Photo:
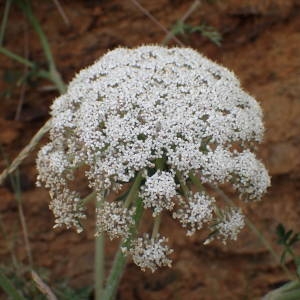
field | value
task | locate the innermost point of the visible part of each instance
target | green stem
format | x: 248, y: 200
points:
x: 99, y: 266
x: 259, y: 234
x: 134, y: 189
x: 55, y: 76
x: 4, y: 20
x: 160, y: 163
x: 39, y: 73
x: 183, y: 186
x: 196, y: 181
x: 115, y: 275
x: 191, y: 9
x: 16, y: 57
x: 156, y: 226
x: 99, y: 255
x: 289, y: 291
x: 119, y: 264
x: 120, y: 259
x: 89, y: 198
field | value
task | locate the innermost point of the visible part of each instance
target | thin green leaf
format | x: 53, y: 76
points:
x: 288, y: 234
x: 9, y: 288
x: 295, y: 238
x: 280, y: 230
x: 282, y: 258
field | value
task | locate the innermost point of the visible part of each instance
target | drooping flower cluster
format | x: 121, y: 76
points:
x: 230, y: 224
x: 136, y: 107
x: 114, y: 219
x: 150, y: 253
x: 158, y: 192
x: 197, y: 210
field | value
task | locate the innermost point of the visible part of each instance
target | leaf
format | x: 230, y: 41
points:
x: 280, y: 230
x: 298, y: 270
x: 9, y: 288
x: 289, y: 291
x: 282, y: 258
x: 11, y: 76
x: 294, y: 239
x: 288, y: 235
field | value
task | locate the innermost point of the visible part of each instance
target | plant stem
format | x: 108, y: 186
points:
x: 155, y: 21
x: 15, y: 182
x: 55, y: 76
x: 4, y: 20
x: 119, y: 262
x: 114, y: 276
x: 89, y: 198
x: 42, y: 286
x: 289, y: 291
x: 120, y: 259
x: 191, y: 9
x: 156, y: 226
x: 25, y: 152
x: 259, y: 234
x: 99, y: 256
x: 134, y: 189
x: 99, y: 265
x: 16, y: 57
x: 196, y: 181
x: 183, y: 186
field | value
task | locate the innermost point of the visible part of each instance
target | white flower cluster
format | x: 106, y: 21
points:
x: 150, y: 253
x: 134, y: 107
x: 197, y: 210
x: 159, y: 191
x: 114, y: 219
x: 230, y: 224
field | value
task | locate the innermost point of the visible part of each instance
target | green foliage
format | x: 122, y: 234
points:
x: 19, y: 280
x: 9, y: 287
x: 13, y: 282
x: 15, y: 78
x: 289, y: 291
x: 65, y: 292
x: 288, y: 239
x: 181, y: 28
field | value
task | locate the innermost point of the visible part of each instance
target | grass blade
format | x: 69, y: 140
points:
x: 9, y: 288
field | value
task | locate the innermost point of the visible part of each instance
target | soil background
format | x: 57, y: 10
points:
x: 261, y: 41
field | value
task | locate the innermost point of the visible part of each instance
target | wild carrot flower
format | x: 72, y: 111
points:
x: 169, y: 114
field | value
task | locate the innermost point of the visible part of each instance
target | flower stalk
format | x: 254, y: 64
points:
x: 99, y: 254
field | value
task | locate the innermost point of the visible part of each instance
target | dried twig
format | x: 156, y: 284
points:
x: 152, y: 18
x: 25, y: 152
x: 62, y: 12
x: 191, y: 9
x: 42, y: 286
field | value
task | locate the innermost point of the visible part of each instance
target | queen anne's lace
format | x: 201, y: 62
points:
x: 135, y: 107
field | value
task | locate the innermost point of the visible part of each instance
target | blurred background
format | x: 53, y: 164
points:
x: 257, y: 39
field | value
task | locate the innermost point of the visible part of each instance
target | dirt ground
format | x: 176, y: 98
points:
x: 261, y: 41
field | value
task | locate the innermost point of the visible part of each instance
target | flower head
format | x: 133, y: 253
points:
x: 230, y: 224
x: 150, y: 253
x: 197, y: 210
x: 159, y: 191
x: 114, y: 219
x: 135, y: 107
